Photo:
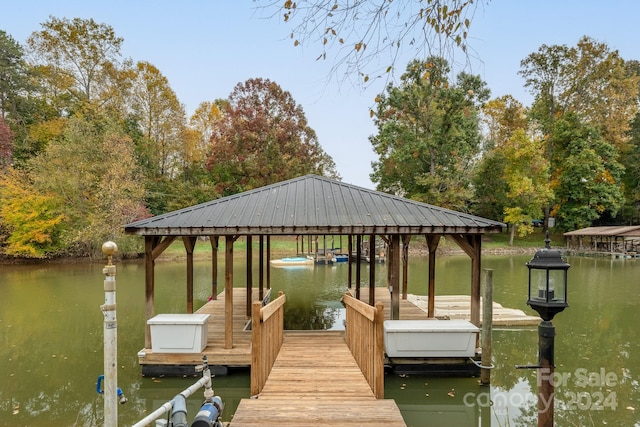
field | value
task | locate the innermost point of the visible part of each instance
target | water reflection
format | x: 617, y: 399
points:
x: 51, y: 343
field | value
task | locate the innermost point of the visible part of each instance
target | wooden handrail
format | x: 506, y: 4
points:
x: 267, y: 324
x: 270, y: 309
x: 364, y: 337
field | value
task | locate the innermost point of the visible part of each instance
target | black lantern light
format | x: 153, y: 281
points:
x: 547, y: 282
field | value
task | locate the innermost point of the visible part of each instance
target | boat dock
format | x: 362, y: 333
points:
x: 221, y: 359
x: 302, y: 390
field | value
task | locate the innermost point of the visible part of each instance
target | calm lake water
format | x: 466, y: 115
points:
x: 51, y: 343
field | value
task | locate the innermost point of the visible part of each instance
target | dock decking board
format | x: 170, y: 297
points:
x: 239, y: 355
x: 315, y: 381
x: 453, y: 306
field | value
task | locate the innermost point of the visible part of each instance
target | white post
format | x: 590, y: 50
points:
x: 110, y: 339
x: 487, y: 325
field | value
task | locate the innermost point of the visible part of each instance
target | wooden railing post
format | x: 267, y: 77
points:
x: 378, y: 354
x: 256, y: 348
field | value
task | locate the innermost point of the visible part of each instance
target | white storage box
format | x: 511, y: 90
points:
x: 178, y: 333
x: 430, y: 338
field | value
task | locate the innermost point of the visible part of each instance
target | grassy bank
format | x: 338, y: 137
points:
x: 286, y: 245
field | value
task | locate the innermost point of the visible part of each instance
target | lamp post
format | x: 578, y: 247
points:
x: 547, y: 296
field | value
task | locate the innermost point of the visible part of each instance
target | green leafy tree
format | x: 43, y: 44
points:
x: 587, y: 182
x: 20, y: 107
x: 590, y: 81
x: 490, y: 186
x: 630, y: 159
x: 263, y: 137
x: 428, y: 134
x: 13, y: 75
x: 631, y: 163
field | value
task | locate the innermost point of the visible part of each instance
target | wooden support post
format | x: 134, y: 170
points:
x: 249, y: 275
x: 228, y: 292
x: 324, y: 249
x: 257, y: 361
x: 472, y: 245
x: 432, y: 243
x: 379, y: 351
x: 372, y: 270
x: 350, y: 261
x: 214, y: 267
x: 268, y: 262
x: 394, y: 251
x: 261, y: 269
x: 406, y: 238
x: 189, y: 245
x: 476, y: 267
x: 358, y: 262
x: 487, y: 322
x: 149, y: 284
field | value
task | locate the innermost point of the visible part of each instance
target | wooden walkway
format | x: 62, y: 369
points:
x: 315, y: 381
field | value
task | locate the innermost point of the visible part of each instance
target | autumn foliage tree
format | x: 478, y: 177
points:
x: 76, y: 59
x: 502, y: 118
x: 263, y: 137
x: 32, y: 222
x: 100, y: 193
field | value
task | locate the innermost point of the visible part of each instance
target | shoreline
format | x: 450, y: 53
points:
x: 421, y: 252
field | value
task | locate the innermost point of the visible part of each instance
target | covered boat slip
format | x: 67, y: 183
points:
x: 312, y: 206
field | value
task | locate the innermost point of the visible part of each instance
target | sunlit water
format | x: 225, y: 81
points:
x: 51, y: 343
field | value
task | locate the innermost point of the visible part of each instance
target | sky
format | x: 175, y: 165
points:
x: 205, y: 47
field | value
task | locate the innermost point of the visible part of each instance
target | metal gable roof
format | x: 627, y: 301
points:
x: 312, y: 205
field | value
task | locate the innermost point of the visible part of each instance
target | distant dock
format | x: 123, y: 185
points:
x: 458, y: 307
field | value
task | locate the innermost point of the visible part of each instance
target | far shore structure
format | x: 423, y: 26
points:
x: 310, y: 207
x: 623, y: 240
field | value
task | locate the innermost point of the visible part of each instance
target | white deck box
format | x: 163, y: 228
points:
x: 430, y: 338
x: 178, y: 333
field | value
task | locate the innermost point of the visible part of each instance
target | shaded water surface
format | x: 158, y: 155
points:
x: 51, y: 343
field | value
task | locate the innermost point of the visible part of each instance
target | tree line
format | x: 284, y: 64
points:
x: 90, y: 141
x: 571, y: 159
